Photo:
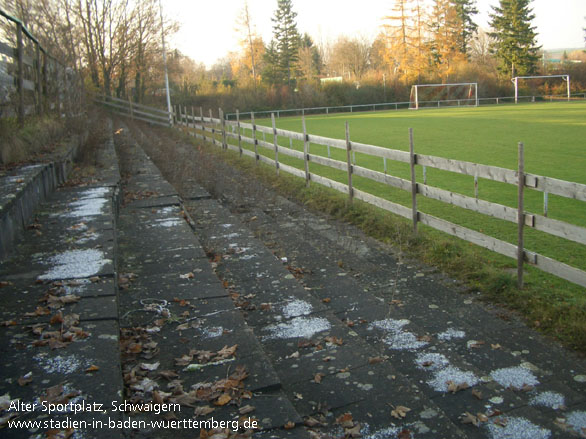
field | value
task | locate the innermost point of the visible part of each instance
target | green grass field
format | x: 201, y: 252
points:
x: 554, y: 135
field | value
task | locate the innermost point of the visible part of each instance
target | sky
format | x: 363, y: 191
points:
x: 208, y: 32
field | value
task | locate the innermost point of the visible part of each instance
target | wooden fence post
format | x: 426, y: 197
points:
x: 239, y: 135
x: 57, y: 91
x: 545, y: 202
x: 203, y: 127
x: 224, y: 137
x: 39, y: 81
x: 254, y: 138
x: 520, y: 217
x: 305, y: 152
x: 45, y: 83
x: 413, y: 180
x: 349, y: 163
x: 130, y: 106
x: 20, y: 64
x: 275, y: 140
x: 213, y: 126
x: 193, y: 119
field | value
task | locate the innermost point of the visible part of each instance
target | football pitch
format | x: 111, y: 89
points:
x: 554, y: 135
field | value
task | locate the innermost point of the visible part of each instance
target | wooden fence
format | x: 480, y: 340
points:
x: 219, y: 130
x: 31, y: 80
x: 135, y: 111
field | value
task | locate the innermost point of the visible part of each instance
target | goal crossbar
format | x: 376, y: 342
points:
x: 416, y: 87
x: 515, y: 81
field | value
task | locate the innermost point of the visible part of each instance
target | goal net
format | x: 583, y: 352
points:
x: 443, y: 95
x: 548, y: 86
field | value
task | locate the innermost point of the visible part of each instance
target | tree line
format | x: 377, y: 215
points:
x: 418, y: 43
x: 116, y: 45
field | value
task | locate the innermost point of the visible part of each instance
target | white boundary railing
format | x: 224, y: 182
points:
x: 401, y: 106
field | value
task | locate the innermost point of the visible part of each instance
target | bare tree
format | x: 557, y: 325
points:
x: 351, y: 56
x: 245, y: 27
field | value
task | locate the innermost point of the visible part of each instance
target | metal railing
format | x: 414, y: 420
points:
x: 401, y: 106
x: 31, y: 80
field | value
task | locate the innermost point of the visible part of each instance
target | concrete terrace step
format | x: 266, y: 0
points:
x: 60, y: 333
x: 172, y: 301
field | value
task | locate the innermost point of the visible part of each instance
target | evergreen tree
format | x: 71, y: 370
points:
x: 514, y: 46
x: 286, y: 38
x: 271, y: 73
x: 466, y: 9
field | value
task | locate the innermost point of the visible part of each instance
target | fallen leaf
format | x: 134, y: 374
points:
x: 92, y: 368
x: 469, y: 418
x: 496, y: 346
x: 318, y: 377
x: 289, y: 425
x: 57, y: 318
x: 375, y: 360
x: 168, y: 374
x: 456, y: 387
x: 482, y: 417
x: 25, y: 379
x: 312, y: 422
x: 345, y: 420
x: 404, y: 434
x: 334, y: 340
x: 150, y: 366
x: 477, y: 394
x: 400, y: 412
x: 246, y: 409
x: 353, y: 431
x: 223, y: 400
x: 326, y: 300
x: 8, y: 323
x: 189, y: 275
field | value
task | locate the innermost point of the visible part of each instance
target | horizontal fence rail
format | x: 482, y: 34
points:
x: 31, y: 80
x: 250, y: 139
x: 135, y: 111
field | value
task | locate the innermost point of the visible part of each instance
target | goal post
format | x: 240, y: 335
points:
x: 456, y: 94
x: 515, y: 81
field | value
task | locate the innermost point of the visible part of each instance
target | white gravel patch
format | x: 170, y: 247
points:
x: 441, y: 377
x: 297, y: 308
x: 62, y: 364
x: 431, y: 361
x: 384, y: 433
x: 169, y: 222
x: 514, y: 377
x: 517, y: 428
x: 74, y: 264
x: 577, y: 421
x: 397, y: 338
x: 553, y: 400
x: 212, y: 332
x: 451, y: 334
x: 87, y: 207
x: 304, y: 327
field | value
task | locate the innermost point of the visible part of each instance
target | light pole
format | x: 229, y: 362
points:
x: 165, y: 64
